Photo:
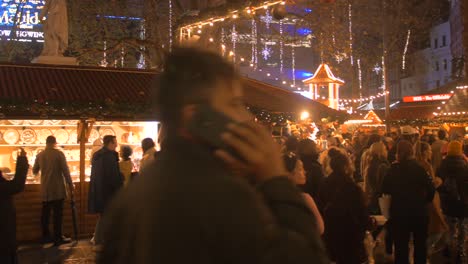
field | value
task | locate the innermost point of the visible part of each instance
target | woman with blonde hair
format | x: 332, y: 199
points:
x: 437, y: 223
x: 377, y: 168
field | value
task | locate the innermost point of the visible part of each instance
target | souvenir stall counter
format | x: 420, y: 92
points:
x: 31, y: 136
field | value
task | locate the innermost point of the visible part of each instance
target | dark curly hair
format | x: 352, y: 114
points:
x: 126, y: 152
x: 290, y: 161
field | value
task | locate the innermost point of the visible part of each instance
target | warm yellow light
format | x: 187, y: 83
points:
x: 211, y: 39
x: 211, y: 24
x: 199, y: 31
x: 284, y: 82
x: 231, y: 53
x: 249, y: 11
x: 305, y: 115
x: 283, y: 3
x: 223, y: 46
x: 242, y: 59
x: 251, y: 65
x: 234, y: 16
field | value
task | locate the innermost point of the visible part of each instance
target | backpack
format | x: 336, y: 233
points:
x: 451, y: 190
x: 455, y: 188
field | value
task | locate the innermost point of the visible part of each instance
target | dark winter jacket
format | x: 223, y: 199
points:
x: 454, y: 169
x: 376, y: 172
x: 7, y: 208
x: 314, y: 175
x: 344, y: 211
x: 106, y: 179
x: 187, y: 208
x: 411, y: 190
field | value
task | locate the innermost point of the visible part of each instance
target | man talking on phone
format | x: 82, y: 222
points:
x: 188, y: 206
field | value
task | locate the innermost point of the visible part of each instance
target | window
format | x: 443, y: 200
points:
x: 437, y: 65
x: 444, y: 41
x: 445, y: 64
x: 436, y: 43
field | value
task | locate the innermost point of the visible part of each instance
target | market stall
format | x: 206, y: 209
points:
x: 78, y: 106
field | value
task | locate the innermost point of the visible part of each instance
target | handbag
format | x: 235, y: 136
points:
x: 384, y: 203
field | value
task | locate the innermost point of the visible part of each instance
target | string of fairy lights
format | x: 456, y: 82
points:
x: 453, y: 113
x: 197, y: 27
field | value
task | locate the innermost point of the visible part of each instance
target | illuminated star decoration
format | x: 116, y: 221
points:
x: 266, y: 52
x: 340, y: 56
x: 267, y: 18
x: 377, y: 69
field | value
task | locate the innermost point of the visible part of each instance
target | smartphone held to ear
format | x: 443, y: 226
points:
x: 207, y: 125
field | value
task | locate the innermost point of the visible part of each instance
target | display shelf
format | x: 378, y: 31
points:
x: 42, y: 145
x: 127, y: 125
x: 38, y: 125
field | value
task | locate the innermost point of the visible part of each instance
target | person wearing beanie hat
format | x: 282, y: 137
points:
x: 454, y: 193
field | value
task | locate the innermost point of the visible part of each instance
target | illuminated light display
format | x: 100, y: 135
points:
x: 425, y: 98
x: 24, y: 15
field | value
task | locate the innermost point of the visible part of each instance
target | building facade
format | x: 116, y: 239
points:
x: 431, y: 67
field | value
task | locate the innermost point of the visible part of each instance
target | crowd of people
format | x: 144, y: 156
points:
x: 425, y: 177
x: 256, y: 201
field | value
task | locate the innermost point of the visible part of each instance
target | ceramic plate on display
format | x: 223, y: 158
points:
x: 93, y: 135
x: 11, y: 136
x: 42, y: 135
x: 106, y: 123
x: 55, y: 122
x: 62, y: 136
x: 52, y: 122
x: 71, y: 122
x: 33, y: 122
x: 28, y: 136
x: 16, y: 122
x: 73, y: 137
x: 107, y: 131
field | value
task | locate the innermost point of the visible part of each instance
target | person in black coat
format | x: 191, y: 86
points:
x: 106, y: 180
x: 196, y: 203
x: 411, y: 191
x: 308, y: 153
x: 453, y: 191
x: 343, y: 206
x: 8, y: 211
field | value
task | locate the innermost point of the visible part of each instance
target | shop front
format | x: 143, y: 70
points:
x: 79, y: 106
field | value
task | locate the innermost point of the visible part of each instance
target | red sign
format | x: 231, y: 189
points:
x: 425, y: 98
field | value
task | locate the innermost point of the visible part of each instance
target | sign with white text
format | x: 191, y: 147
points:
x: 426, y: 98
x: 25, y: 15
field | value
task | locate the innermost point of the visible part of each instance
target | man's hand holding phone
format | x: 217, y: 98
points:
x: 261, y: 155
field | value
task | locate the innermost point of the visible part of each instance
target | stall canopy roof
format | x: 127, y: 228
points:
x: 37, y: 91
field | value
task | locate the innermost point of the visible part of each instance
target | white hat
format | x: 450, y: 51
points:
x: 408, y: 130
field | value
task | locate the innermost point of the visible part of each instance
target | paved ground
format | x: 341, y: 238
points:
x: 82, y: 252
